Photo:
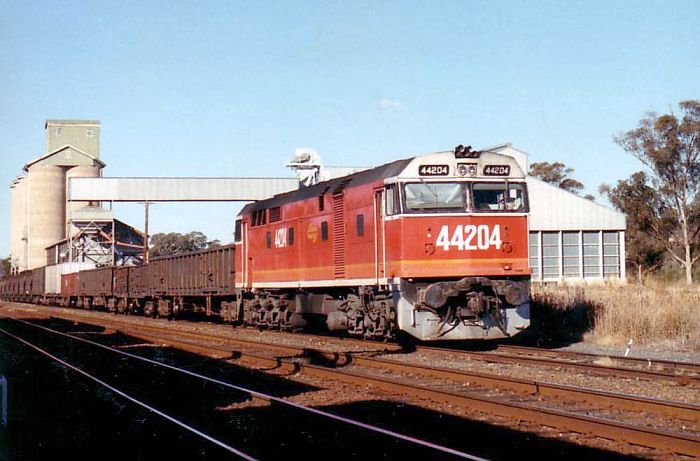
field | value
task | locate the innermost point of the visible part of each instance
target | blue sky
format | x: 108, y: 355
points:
x: 232, y: 88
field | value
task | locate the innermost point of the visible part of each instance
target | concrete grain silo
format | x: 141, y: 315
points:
x: 46, y: 210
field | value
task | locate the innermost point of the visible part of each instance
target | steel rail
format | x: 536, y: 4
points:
x: 269, y: 398
x: 563, y: 420
x: 672, y: 366
x: 601, y: 370
x: 679, y: 410
x: 599, y: 427
x: 131, y: 398
x: 592, y: 368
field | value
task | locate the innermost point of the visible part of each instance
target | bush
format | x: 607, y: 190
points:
x: 614, y: 314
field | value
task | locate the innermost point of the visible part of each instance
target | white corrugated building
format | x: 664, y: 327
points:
x: 572, y: 239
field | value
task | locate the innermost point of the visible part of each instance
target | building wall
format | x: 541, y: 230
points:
x: 81, y: 134
x: 575, y: 256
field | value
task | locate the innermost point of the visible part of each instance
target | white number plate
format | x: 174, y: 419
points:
x: 496, y: 170
x: 433, y: 170
x: 469, y: 237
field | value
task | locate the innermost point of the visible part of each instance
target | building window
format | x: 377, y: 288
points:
x: 591, y: 254
x: 611, y: 254
x: 571, y: 257
x: 360, y: 225
x: 324, y: 230
x: 550, y: 255
x: 535, y: 254
x: 88, y: 132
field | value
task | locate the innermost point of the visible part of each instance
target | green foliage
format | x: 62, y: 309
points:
x: 175, y: 243
x: 669, y: 146
x: 643, y: 207
x: 557, y: 174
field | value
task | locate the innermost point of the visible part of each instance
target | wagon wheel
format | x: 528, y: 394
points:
x: 149, y: 309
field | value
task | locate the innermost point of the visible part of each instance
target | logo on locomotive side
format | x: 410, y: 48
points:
x: 281, y: 238
x: 312, y: 233
x: 469, y: 237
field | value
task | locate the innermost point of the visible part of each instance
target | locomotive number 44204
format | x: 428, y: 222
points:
x: 433, y: 170
x: 469, y: 237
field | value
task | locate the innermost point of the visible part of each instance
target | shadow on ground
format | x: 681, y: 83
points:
x: 56, y: 413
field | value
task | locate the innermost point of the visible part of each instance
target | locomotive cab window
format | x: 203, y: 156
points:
x: 434, y: 197
x: 391, y: 200
x: 499, y: 197
x: 238, y: 231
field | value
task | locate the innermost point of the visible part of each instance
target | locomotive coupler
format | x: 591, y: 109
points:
x: 435, y: 295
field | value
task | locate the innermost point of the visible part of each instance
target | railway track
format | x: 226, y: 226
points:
x: 685, y: 369
x: 327, y: 426
x: 593, y: 364
x: 356, y: 369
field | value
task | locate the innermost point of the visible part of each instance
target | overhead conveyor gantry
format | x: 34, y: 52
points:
x: 147, y: 190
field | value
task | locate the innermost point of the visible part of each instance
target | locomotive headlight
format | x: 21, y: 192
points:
x: 466, y: 169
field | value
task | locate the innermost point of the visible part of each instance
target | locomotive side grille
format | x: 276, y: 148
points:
x: 338, y: 236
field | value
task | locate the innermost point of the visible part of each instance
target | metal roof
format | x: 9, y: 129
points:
x: 552, y: 208
x: 58, y: 121
x: 61, y: 149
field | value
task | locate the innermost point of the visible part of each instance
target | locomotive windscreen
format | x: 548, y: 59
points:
x: 450, y: 197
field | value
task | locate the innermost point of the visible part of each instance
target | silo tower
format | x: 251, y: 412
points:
x: 72, y: 150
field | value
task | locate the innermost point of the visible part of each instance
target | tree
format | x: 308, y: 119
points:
x: 669, y: 147
x: 642, y: 206
x: 557, y: 174
x: 174, y: 243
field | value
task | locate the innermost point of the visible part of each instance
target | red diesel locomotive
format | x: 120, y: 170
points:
x: 434, y: 246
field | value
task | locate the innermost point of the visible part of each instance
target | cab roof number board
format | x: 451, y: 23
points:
x: 434, y: 170
x: 496, y: 170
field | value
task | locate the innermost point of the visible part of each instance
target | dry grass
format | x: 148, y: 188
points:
x: 613, y: 314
